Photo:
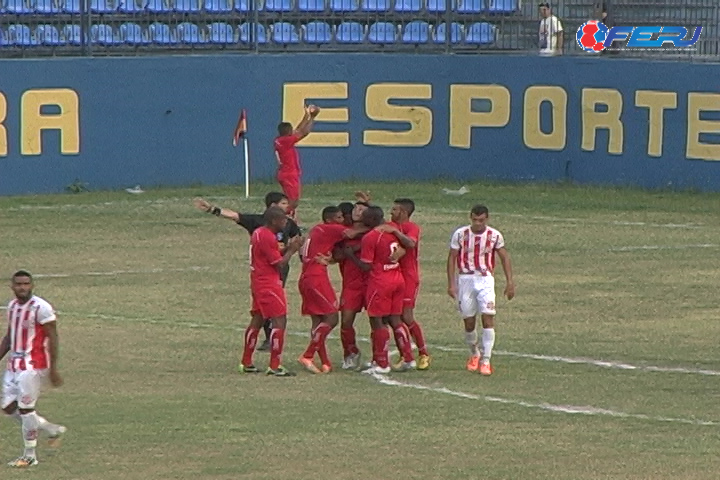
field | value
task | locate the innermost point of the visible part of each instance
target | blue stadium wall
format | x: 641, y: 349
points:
x: 118, y: 122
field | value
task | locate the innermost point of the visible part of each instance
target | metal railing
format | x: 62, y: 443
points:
x: 30, y: 28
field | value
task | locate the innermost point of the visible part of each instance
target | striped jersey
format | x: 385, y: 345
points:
x: 28, y: 341
x: 476, y: 251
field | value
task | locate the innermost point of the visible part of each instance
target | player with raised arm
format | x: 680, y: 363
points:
x: 289, y: 172
x: 471, y: 282
x: 253, y: 221
x: 385, y: 291
x: 32, y: 342
x: 319, y: 299
x: 268, y: 295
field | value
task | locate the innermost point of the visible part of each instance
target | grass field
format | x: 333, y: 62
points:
x: 153, y: 297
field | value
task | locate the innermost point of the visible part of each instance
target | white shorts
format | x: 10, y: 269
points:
x: 476, y: 294
x: 22, y: 387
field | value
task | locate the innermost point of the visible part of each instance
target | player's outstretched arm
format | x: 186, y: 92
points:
x: 452, y: 273
x: 405, y: 241
x: 50, y: 329
x: 5, y: 345
x: 305, y: 126
x: 507, y: 268
x: 205, y: 206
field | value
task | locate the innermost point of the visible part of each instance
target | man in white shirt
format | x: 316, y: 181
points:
x: 551, y: 31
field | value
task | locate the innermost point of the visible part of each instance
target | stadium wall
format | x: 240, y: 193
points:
x: 118, y: 122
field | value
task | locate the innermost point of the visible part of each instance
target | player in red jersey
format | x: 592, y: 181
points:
x: 385, y: 291
x: 409, y: 237
x: 268, y: 295
x: 289, y: 172
x: 32, y: 342
x: 319, y: 300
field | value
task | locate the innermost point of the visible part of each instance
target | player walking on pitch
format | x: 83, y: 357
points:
x: 32, y: 342
x: 470, y: 270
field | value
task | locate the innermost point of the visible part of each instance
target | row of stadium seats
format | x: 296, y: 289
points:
x: 281, y: 33
x: 49, y: 7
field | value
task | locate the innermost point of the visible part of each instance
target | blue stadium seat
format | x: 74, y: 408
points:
x: 4, y: 38
x: 244, y: 31
x: 188, y: 6
x: 438, y: 5
x: 469, y: 6
x: 350, y: 32
x: 161, y: 33
x: 72, y: 34
x: 311, y: 5
x: 503, y: 6
x: 456, y: 33
x: 247, y: 5
x: 130, y: 6
x: 344, y: 5
x: 133, y: 34
x: 375, y: 5
x: 317, y: 33
x: 107, y: 6
x: 382, y: 33
x: 71, y: 6
x: 221, y: 33
x: 103, y: 34
x: 19, y: 7
x: 48, y: 35
x: 21, y: 35
x: 219, y: 6
x: 480, y: 33
x: 159, y: 6
x: 48, y: 7
x: 408, y: 5
x: 416, y: 32
x: 278, y: 5
x: 190, y: 33
x: 285, y: 33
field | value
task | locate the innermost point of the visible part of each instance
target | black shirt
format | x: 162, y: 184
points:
x: 252, y: 222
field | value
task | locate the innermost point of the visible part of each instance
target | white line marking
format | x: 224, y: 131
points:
x: 570, y: 409
x: 663, y: 247
x: 119, y: 272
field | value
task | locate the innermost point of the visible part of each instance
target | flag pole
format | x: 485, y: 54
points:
x: 241, y: 131
x: 247, y: 166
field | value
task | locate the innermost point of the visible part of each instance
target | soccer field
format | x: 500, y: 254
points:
x: 606, y: 363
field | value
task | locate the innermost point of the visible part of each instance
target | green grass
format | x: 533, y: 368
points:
x: 149, y: 353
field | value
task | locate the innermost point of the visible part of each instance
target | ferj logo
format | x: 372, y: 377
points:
x: 594, y: 36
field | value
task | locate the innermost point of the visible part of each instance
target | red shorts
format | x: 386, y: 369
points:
x: 412, y: 287
x: 290, y: 183
x: 269, y: 302
x: 385, y: 299
x: 318, y: 296
x: 353, y: 299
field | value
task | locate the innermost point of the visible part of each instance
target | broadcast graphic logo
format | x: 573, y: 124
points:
x: 594, y: 36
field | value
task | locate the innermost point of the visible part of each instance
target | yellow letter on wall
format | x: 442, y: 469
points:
x: 378, y: 108
x: 533, y: 136
x: 593, y: 120
x: 463, y: 119
x: 656, y: 102
x: 295, y: 96
x: 3, y: 130
x: 697, y: 103
x: 32, y: 122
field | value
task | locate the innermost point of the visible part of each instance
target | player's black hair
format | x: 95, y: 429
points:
x: 373, y: 216
x: 285, y: 128
x: 274, y: 197
x: 407, y: 205
x: 346, y: 208
x: 329, y: 212
x: 21, y: 273
x: 272, y: 214
x: 479, y: 210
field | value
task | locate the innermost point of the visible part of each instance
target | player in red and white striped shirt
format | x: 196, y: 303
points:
x: 471, y: 281
x: 32, y: 342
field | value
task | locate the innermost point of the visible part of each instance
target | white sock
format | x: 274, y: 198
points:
x: 30, y: 433
x: 488, y: 341
x: 471, y: 339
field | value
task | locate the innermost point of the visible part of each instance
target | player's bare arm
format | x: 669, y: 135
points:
x: 397, y: 254
x: 4, y: 346
x: 451, y: 273
x: 507, y: 268
x: 293, y: 246
x: 205, y: 206
x: 361, y: 196
x: 350, y: 255
x: 306, y: 124
x: 324, y: 259
x: 405, y: 241
x: 50, y: 329
x: 355, y: 232
x: 338, y: 254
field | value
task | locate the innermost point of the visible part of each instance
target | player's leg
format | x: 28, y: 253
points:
x: 486, y: 305
x: 416, y: 330
x: 28, y: 392
x: 274, y: 306
x: 402, y: 340
x: 468, y: 307
x: 250, y: 340
x: 267, y: 328
x: 380, y: 337
x: 307, y: 358
x: 351, y: 352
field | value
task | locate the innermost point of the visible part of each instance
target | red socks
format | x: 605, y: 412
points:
x: 380, y: 340
x: 402, y: 339
x: 347, y: 337
x: 251, y: 335
x: 317, y: 343
x: 417, y: 335
x: 277, y: 341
